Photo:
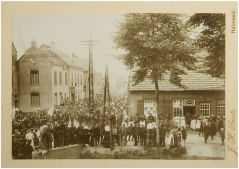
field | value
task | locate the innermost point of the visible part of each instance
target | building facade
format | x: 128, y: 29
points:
x: 201, y: 95
x: 47, y: 76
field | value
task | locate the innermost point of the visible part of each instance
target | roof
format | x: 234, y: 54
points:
x: 193, y: 80
x: 63, y: 56
x: 52, y: 54
x: 14, y: 51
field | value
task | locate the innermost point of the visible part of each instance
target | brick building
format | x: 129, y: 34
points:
x: 47, y: 75
x: 201, y: 95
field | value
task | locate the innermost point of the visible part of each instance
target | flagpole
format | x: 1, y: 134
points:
x: 108, y: 89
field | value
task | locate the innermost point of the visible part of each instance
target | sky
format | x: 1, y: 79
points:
x: 67, y: 31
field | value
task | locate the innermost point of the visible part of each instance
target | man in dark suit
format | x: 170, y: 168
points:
x: 206, y: 132
x: 162, y: 134
x: 137, y: 130
x: 80, y: 133
x: 143, y: 135
x: 28, y: 149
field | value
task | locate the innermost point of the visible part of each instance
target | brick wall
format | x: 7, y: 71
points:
x: 166, y: 100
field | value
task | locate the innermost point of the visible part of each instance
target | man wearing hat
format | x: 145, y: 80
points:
x: 28, y: 149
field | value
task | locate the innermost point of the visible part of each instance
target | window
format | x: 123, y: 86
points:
x: 204, y: 109
x: 35, y: 99
x: 81, y: 79
x: 221, y: 108
x: 34, y: 77
x: 55, y: 78
x: 60, y: 78
x: 177, y: 107
x: 78, y: 80
x: 149, y: 107
x: 65, y: 78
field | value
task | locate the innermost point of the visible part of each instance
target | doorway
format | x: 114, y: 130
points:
x: 190, y: 109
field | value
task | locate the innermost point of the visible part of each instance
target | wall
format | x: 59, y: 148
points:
x: 59, y: 89
x: 78, y: 86
x: 25, y: 88
x: 69, y: 152
x: 166, y: 100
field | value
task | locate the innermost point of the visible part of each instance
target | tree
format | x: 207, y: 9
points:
x: 212, y: 37
x: 156, y: 44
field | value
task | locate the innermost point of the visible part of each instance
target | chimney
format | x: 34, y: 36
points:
x: 73, y: 55
x: 34, y: 44
x: 52, y: 44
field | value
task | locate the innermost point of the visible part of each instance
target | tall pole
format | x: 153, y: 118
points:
x: 91, y: 74
x: 108, y: 89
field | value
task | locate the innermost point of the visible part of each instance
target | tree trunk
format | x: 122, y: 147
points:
x: 157, y: 110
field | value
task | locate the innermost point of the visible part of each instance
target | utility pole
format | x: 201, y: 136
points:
x: 91, y: 74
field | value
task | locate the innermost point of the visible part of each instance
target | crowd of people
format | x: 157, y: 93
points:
x: 75, y: 123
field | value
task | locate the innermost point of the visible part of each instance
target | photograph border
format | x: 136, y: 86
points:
x: 121, y: 7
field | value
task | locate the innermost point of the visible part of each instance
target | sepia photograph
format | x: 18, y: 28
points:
x: 120, y: 86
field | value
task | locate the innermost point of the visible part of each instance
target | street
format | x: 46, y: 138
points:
x: 196, y: 147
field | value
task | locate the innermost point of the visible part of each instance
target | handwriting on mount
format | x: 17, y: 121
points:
x: 231, y: 135
x: 232, y: 122
x: 233, y: 150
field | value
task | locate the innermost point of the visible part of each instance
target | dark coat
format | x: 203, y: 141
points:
x: 27, y: 151
x: 184, y: 134
x: 80, y: 130
x: 206, y: 130
x: 86, y: 136
x: 220, y: 124
x: 130, y: 130
x: 137, y: 130
x: 143, y: 133
x: 212, y: 129
x: 162, y: 132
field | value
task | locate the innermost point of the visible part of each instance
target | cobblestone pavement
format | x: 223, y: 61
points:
x: 196, y: 146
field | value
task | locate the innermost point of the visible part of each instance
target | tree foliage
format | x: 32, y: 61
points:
x: 212, y: 37
x: 155, y: 44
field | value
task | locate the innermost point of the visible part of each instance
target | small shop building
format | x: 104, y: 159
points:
x: 201, y: 94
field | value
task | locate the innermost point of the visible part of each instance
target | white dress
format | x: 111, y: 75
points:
x: 198, y: 124
x: 193, y: 124
x: 31, y: 137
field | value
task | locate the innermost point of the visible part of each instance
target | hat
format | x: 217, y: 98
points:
x: 29, y: 140
x: 222, y: 129
x: 48, y: 123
